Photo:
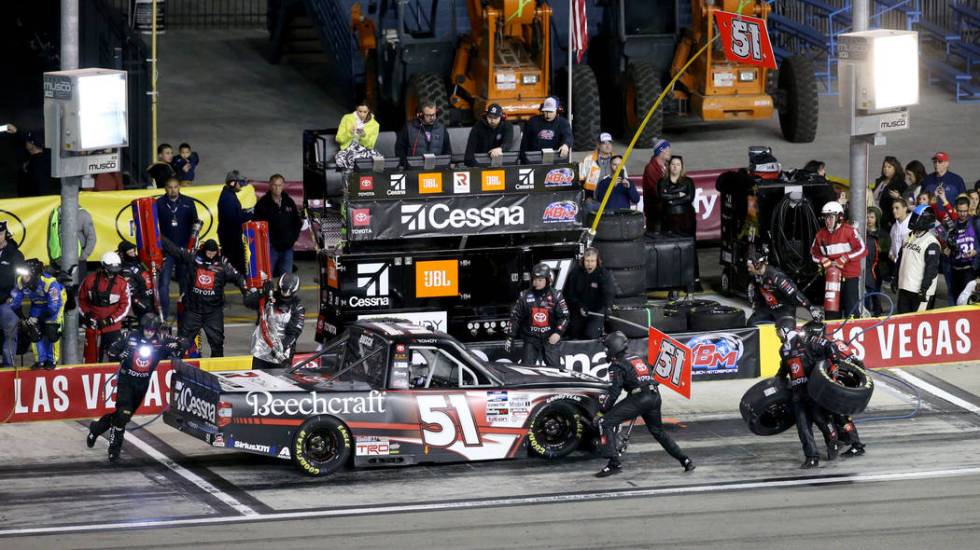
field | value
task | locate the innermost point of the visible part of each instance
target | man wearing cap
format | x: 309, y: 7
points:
x: 492, y: 135
x: 231, y: 216
x: 35, y: 177
x: 942, y: 177
x: 177, y: 214
x: 547, y: 131
x: 10, y: 258
x: 652, y: 175
x: 597, y: 166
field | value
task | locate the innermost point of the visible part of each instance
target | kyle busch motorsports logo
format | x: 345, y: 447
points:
x: 419, y: 217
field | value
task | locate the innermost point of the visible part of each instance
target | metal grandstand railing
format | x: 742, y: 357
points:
x: 209, y: 14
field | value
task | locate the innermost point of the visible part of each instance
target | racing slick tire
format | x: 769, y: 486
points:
x: 848, y: 394
x: 321, y: 446
x: 630, y: 281
x: 556, y: 430
x: 618, y: 225
x: 766, y: 407
x: 621, y: 254
x: 687, y: 307
x: 715, y: 318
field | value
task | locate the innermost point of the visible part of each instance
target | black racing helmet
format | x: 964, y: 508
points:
x: 32, y: 268
x: 616, y: 344
x: 757, y: 256
x: 814, y: 330
x: 922, y: 218
x: 784, y: 326
x: 288, y: 285
x: 542, y: 271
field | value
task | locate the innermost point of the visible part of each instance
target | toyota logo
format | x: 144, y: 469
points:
x: 205, y: 278
x: 360, y: 217
x: 16, y: 227
x: 124, y: 219
x: 540, y: 317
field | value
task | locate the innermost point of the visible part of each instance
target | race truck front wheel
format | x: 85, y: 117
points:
x: 322, y: 445
x: 556, y: 430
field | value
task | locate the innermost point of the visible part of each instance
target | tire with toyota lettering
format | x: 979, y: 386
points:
x: 556, y: 430
x: 766, y: 407
x: 321, y: 446
x: 848, y: 391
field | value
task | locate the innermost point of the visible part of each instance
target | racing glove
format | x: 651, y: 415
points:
x: 507, y: 345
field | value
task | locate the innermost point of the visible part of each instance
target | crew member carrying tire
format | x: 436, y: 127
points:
x: 632, y: 374
x: 103, y: 298
x: 837, y: 245
x: 918, y: 263
x: 539, y: 317
x: 43, y: 321
x: 281, y: 318
x: 204, y: 301
x: 590, y: 295
x: 140, y: 281
x: 796, y: 365
x: 774, y: 295
x: 140, y: 353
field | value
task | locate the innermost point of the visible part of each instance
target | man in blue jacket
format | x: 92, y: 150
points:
x: 942, y: 177
x: 177, y: 214
x: 231, y: 216
x: 624, y: 195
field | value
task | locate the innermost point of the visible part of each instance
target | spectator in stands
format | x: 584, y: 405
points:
x: 676, y: 192
x: 10, y: 259
x: 923, y: 199
x: 491, y: 135
x: 652, y: 174
x: 974, y: 197
x: 872, y: 262
x: 915, y: 173
x: 162, y: 169
x: 35, y: 176
x: 943, y: 178
x: 177, y: 215
x: 963, y: 244
x: 86, y: 240
x: 424, y: 135
x: 185, y: 163
x: 279, y: 210
x: 817, y: 167
x: 624, y: 195
x: 547, y: 131
x: 596, y: 166
x: 231, y: 216
x: 890, y: 186
x: 356, y: 136
x: 899, y: 231
x: 589, y: 290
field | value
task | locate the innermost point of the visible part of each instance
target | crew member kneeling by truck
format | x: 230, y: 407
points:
x: 140, y: 353
x: 539, y: 317
x: 281, y: 318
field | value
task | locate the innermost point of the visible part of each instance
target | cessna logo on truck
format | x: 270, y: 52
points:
x: 419, y: 217
x: 373, y: 278
x: 187, y: 402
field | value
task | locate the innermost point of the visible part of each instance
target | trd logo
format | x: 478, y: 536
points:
x: 373, y: 278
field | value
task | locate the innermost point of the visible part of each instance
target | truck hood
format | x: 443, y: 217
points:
x: 519, y: 375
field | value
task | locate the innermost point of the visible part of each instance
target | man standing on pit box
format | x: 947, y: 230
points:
x: 279, y: 211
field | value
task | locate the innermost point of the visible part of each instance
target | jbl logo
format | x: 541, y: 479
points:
x: 439, y: 278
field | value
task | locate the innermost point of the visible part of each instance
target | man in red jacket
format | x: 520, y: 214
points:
x: 104, y: 301
x: 652, y: 175
x: 838, y: 245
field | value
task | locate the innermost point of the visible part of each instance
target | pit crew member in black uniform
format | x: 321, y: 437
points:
x: 590, y: 289
x: 539, y: 317
x: 632, y: 374
x: 281, y: 317
x: 140, y: 281
x: 774, y: 295
x: 796, y: 365
x: 140, y: 353
x: 204, y: 300
x: 821, y: 348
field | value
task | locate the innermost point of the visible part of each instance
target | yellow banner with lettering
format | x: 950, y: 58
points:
x: 27, y: 218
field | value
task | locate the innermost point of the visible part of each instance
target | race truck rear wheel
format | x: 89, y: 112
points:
x: 766, y: 407
x: 556, y: 430
x: 321, y: 446
x: 849, y: 393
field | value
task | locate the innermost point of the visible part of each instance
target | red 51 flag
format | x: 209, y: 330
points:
x: 671, y: 362
x: 745, y: 39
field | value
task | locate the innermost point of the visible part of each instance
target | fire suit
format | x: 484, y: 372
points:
x: 280, y: 324
x: 634, y: 376
x: 843, y: 247
x: 204, y: 300
x: 774, y: 295
x: 796, y: 366
x: 139, y: 357
x: 104, y: 302
x: 47, y: 298
x: 537, y: 315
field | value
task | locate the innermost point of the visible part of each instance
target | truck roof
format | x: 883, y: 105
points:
x: 399, y: 330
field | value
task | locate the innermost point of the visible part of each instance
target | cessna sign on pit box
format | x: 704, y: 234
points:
x: 419, y: 217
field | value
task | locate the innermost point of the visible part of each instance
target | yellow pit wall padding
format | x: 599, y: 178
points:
x: 768, y: 351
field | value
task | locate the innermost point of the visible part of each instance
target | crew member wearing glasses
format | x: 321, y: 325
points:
x: 423, y: 135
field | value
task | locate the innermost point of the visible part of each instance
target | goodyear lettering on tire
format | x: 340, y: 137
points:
x: 301, y: 456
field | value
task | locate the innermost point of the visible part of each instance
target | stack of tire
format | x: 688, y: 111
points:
x: 705, y: 315
x: 766, y: 406
x: 619, y: 238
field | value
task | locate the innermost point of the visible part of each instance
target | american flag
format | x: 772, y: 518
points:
x: 580, y: 29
